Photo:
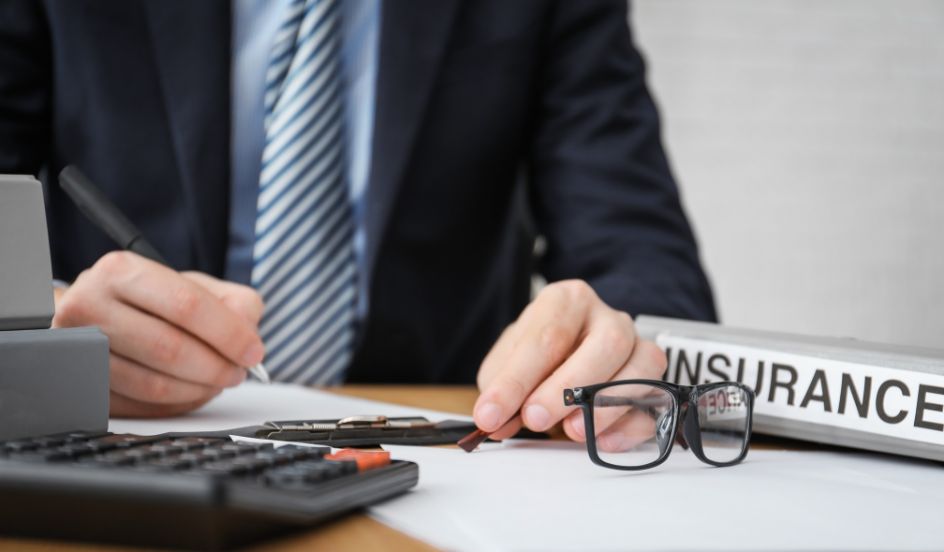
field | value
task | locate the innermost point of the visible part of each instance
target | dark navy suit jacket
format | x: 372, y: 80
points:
x: 496, y: 121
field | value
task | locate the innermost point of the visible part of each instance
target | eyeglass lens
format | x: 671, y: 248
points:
x: 633, y: 423
x: 723, y: 420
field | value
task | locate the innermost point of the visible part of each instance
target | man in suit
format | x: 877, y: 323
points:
x: 374, y: 173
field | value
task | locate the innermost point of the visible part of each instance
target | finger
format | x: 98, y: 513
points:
x: 553, y: 301
x: 72, y: 303
x: 574, y: 426
x: 124, y: 407
x: 154, y: 343
x: 140, y: 383
x: 647, y: 362
x: 547, y: 331
x: 157, y: 289
x: 508, y: 430
x: 137, y: 336
x: 57, y: 293
x: 241, y: 299
x: 626, y: 433
x: 605, y: 350
x: 499, y: 351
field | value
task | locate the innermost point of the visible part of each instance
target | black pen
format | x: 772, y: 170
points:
x: 105, y: 215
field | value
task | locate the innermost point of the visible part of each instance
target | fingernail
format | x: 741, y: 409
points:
x: 537, y: 417
x: 576, y: 424
x: 488, y: 416
x: 253, y: 355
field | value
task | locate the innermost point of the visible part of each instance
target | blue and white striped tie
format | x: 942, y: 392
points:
x: 303, y: 260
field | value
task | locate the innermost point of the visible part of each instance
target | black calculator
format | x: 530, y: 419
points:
x: 176, y: 490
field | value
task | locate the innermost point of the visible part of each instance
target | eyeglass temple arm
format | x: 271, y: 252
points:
x: 574, y: 396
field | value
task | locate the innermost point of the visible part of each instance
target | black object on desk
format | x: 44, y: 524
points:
x: 369, y: 431
x: 178, y: 490
x: 362, y: 431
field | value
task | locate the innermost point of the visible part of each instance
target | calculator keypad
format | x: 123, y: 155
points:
x: 290, y: 467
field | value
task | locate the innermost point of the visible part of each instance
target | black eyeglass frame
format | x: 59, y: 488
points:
x: 684, y: 399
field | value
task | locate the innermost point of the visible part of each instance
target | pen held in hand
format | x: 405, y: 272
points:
x: 471, y: 441
x: 93, y: 203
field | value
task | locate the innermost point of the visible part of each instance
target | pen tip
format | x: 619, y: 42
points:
x: 261, y: 373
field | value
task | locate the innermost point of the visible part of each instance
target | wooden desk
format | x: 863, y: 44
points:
x: 354, y: 532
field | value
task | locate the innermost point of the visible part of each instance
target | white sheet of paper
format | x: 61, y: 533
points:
x: 532, y: 495
x: 254, y: 403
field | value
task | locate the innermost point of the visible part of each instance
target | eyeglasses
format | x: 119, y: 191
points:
x: 632, y: 424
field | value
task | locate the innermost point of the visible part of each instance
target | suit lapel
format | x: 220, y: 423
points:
x: 192, y: 49
x: 413, y: 38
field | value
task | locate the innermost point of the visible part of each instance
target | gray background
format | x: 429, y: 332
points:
x: 808, y: 139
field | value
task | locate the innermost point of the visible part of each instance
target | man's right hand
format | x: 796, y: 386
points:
x: 176, y: 339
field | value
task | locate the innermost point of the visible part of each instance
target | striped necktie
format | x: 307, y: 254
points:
x: 303, y: 259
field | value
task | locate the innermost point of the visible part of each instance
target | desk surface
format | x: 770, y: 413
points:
x: 354, y: 532
x: 358, y: 532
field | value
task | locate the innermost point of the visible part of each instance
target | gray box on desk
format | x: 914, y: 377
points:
x: 25, y: 273
x: 53, y: 381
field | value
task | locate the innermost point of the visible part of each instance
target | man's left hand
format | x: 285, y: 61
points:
x: 566, y: 337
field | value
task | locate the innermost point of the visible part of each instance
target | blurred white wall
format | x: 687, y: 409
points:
x: 808, y: 139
